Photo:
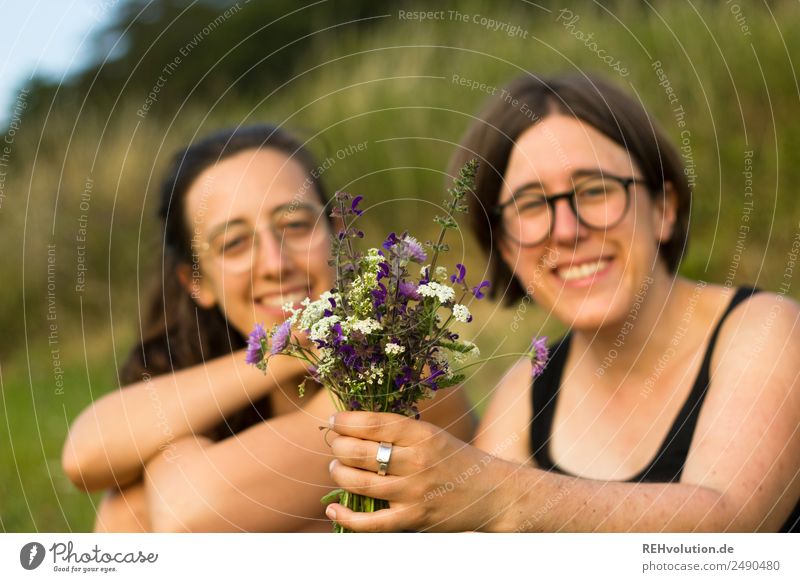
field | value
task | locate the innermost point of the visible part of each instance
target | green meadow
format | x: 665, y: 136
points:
x: 383, y: 108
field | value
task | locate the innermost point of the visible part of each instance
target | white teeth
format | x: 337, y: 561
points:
x: 281, y: 300
x: 581, y: 271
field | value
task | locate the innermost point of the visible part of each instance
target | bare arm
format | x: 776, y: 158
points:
x: 450, y: 410
x: 123, y: 511
x: 743, y: 469
x: 109, y: 443
x: 269, y: 477
x: 742, y: 472
x: 505, y: 426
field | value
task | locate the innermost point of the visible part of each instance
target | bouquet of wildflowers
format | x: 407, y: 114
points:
x: 383, y: 338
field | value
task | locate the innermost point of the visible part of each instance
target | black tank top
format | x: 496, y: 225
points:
x: 668, y: 463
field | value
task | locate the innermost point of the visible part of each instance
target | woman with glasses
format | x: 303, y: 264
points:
x: 670, y: 404
x: 198, y: 440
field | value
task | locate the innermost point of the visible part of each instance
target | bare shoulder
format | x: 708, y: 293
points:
x: 746, y: 443
x: 763, y: 333
x: 514, y: 388
x: 505, y: 425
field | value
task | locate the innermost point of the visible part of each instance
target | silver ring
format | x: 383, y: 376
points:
x: 383, y: 457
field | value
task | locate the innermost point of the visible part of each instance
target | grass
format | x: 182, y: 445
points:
x: 394, y: 89
x: 35, y: 495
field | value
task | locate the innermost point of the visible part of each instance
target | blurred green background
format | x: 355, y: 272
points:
x: 341, y: 73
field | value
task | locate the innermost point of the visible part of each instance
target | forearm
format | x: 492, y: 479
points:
x: 110, y: 441
x: 268, y: 478
x: 451, y: 411
x: 123, y: 511
x: 528, y: 499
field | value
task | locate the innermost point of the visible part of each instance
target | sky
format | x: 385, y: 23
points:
x: 48, y: 37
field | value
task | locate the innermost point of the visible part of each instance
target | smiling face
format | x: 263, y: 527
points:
x: 261, y: 238
x: 587, y: 277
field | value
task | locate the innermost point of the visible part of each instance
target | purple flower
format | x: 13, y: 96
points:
x: 255, y: 351
x: 405, y: 376
x: 431, y: 380
x: 412, y: 250
x: 379, y: 297
x: 408, y: 290
x: 339, y: 337
x: 477, y: 290
x: 383, y: 270
x: 462, y: 272
x: 354, y: 206
x: 280, y: 339
x: 539, y: 354
x: 329, y: 312
x: 348, y: 355
x: 405, y: 247
x: 425, y: 276
x: 390, y: 241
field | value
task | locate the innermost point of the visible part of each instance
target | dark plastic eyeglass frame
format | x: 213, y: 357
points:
x: 570, y: 196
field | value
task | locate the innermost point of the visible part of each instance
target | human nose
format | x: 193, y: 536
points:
x: 271, y: 257
x: 565, y: 226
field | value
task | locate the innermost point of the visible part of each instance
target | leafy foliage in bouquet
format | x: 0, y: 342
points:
x: 383, y: 335
x: 382, y: 339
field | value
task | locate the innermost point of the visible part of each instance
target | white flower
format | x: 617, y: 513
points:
x: 433, y: 289
x: 313, y: 310
x: 443, y: 358
x: 327, y: 361
x: 365, y: 326
x: 372, y: 375
x: 393, y: 349
x: 320, y: 330
x: 461, y: 313
x: 288, y: 307
x: 439, y: 274
x: 474, y: 352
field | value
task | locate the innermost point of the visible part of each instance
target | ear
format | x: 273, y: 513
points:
x: 194, y: 284
x: 665, y: 212
x: 508, y: 254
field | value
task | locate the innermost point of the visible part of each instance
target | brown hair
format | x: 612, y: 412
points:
x: 492, y: 137
x: 177, y: 333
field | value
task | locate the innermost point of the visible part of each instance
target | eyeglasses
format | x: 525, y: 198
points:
x: 295, y: 227
x: 598, y: 202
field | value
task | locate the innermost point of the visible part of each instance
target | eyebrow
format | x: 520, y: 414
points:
x: 288, y: 208
x: 292, y: 206
x: 220, y: 228
x: 579, y: 173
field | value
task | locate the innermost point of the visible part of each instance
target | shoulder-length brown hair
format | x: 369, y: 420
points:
x: 529, y: 99
x: 176, y: 332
